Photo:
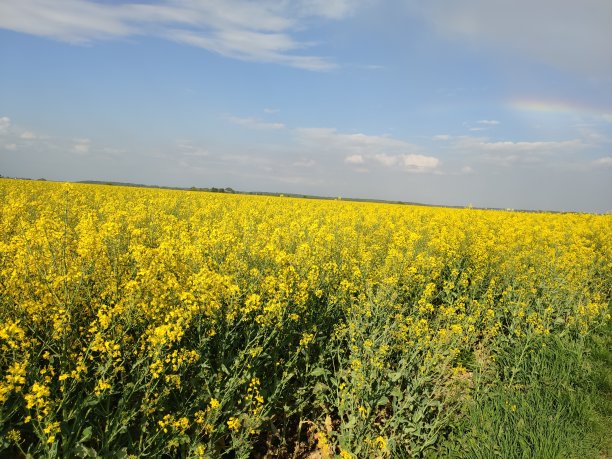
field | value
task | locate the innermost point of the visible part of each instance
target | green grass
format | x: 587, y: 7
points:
x: 552, y: 399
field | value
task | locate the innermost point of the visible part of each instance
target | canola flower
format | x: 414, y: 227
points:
x: 195, y: 324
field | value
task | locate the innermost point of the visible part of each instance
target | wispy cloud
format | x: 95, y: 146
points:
x: 81, y: 146
x: 15, y: 132
x: 488, y: 122
x: 5, y: 125
x: 569, y: 35
x: 354, y: 159
x: 304, y: 163
x: 509, y: 153
x: 185, y: 148
x: 27, y: 135
x: 252, y: 31
x: 606, y: 161
x: 254, y: 123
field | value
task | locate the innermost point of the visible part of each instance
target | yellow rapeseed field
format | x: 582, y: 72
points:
x: 147, y: 322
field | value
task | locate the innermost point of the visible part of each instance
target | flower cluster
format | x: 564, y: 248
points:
x: 188, y: 323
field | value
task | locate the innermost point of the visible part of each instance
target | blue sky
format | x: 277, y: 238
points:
x: 490, y: 103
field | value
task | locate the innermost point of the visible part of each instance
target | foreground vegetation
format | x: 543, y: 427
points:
x: 156, y: 322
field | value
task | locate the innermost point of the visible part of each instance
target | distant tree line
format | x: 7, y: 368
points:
x: 213, y: 189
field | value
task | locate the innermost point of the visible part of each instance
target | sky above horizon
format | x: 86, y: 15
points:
x: 503, y: 104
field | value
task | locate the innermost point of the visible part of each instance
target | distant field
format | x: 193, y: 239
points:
x: 152, y: 322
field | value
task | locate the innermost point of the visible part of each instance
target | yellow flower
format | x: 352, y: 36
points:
x: 381, y: 443
x: 233, y: 424
x: 214, y: 404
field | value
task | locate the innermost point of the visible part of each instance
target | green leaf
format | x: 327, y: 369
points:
x: 83, y: 451
x: 86, y: 434
x: 319, y: 372
x: 397, y: 393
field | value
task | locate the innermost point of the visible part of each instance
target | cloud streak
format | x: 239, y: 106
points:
x: 240, y: 29
x: 566, y: 34
x: 254, y: 123
x: 511, y: 153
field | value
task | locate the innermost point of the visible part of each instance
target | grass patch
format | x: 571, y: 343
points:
x: 552, y: 399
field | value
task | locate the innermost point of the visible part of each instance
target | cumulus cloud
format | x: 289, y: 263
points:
x: 254, y: 31
x: 415, y: 163
x: 419, y: 163
x: 360, y: 149
x: 488, y: 122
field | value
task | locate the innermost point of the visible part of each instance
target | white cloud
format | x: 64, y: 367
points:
x: 606, y: 161
x: 27, y: 135
x: 386, y: 160
x: 488, y: 122
x: 570, y: 35
x: 442, y: 137
x: 361, y: 149
x: 507, y: 153
x: 260, y: 31
x: 419, y: 163
x: 271, y: 111
x: 467, y: 170
x: 304, y: 163
x: 5, y: 125
x: 331, y: 139
x: 354, y: 159
x: 332, y: 9
x: 10, y: 147
x: 81, y: 146
x: 187, y: 149
x: 254, y: 123
x: 412, y: 163
x: 477, y: 129
x: 531, y: 147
